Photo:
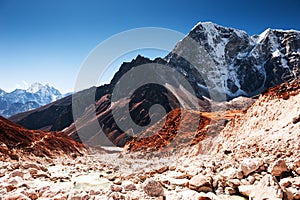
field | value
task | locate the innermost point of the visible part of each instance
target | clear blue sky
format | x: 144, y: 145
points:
x: 47, y: 40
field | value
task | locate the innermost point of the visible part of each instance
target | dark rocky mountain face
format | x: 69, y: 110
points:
x: 139, y: 105
x: 221, y: 64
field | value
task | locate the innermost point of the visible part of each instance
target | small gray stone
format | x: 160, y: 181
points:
x: 153, y: 188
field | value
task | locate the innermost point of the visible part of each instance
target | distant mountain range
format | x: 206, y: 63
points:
x: 243, y: 65
x: 21, y: 100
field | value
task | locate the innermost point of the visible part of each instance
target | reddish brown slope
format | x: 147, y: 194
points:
x: 170, y: 139
x: 16, y: 141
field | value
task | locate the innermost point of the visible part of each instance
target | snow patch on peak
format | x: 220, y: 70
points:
x: 35, y: 87
x: 38, y: 87
x: 211, y: 26
x: 262, y: 36
x: 276, y: 53
x: 205, y: 24
x: 284, y: 62
x: 240, y: 33
x: 268, y: 32
x: 286, y: 31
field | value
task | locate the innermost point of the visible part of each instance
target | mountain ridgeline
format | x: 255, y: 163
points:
x: 222, y: 62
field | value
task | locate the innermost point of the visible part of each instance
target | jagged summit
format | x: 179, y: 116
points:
x: 35, y: 87
x: 38, y: 87
x: 209, y: 25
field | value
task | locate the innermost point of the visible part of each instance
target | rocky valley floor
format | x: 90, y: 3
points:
x: 122, y: 176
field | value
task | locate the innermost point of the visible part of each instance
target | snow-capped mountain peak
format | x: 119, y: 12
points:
x: 219, y: 41
x: 208, y: 25
x: 242, y: 64
x: 35, y: 87
x: 215, y: 28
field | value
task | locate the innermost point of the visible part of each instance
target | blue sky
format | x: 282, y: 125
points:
x: 47, y: 40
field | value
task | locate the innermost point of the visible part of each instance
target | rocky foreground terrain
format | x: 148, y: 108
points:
x: 256, y: 156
